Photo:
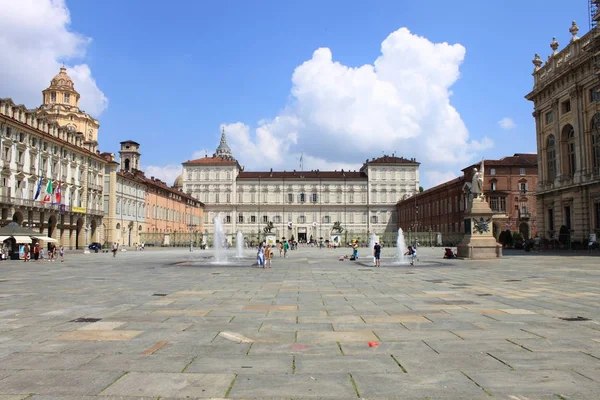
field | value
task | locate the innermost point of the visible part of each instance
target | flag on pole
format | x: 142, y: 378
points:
x: 39, y: 189
x: 48, y: 195
x: 57, y: 194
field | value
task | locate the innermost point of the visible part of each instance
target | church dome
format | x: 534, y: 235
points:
x: 62, y: 80
x: 178, y: 182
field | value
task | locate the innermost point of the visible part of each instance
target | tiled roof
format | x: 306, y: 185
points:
x: 349, y: 175
x: 390, y: 160
x: 211, y: 161
x: 518, y: 160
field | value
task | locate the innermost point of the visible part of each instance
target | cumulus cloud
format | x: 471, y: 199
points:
x: 507, y: 123
x: 35, y: 40
x: 166, y: 173
x: 435, y: 178
x: 341, y: 115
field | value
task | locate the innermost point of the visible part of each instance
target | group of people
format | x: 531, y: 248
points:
x: 264, y: 256
x: 38, y: 252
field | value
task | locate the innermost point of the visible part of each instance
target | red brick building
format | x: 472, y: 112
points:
x: 509, y: 187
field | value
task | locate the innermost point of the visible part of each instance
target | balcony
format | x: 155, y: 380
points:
x: 6, y: 163
x: 524, y: 215
x: 93, y: 186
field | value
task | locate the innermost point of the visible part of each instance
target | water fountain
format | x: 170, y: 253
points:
x: 239, y: 245
x: 219, y: 242
x: 400, y: 247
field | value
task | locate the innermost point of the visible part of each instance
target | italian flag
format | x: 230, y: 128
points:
x: 48, y: 195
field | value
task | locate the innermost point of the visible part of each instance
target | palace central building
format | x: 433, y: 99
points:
x: 303, y: 205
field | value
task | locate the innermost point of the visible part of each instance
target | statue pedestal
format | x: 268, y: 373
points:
x: 270, y: 239
x: 479, y: 241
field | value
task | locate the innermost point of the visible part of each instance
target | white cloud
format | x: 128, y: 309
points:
x: 341, y: 115
x: 507, y: 123
x: 35, y: 40
x: 435, y: 178
x: 166, y: 173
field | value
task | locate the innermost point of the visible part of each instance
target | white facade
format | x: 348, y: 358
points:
x: 302, y: 204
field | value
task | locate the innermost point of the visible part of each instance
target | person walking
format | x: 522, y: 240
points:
x: 51, y: 250
x: 61, y: 253
x: 280, y: 249
x: 377, y: 254
x: 260, y: 255
x: 26, y: 253
x: 286, y: 247
x: 115, y: 247
x: 36, y: 252
x: 413, y: 254
x: 268, y: 256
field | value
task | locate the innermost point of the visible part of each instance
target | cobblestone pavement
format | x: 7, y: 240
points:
x: 158, y: 324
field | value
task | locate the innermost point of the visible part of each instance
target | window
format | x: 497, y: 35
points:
x: 493, y: 186
x: 302, y: 197
x: 301, y: 219
x: 67, y: 97
x: 523, y: 187
x: 521, y: 171
x: 498, y: 204
x: 549, y: 117
x: 253, y: 218
x: 551, y: 157
x: 277, y: 219
x: 492, y: 171
x: 290, y: 198
x: 265, y: 219
x: 571, y: 151
x: 565, y: 106
x: 326, y: 219
x: 373, y: 219
x: 595, y: 94
x: 339, y: 197
x: 228, y: 219
x: 53, y: 97
x: 314, y: 197
x: 216, y: 197
x: 568, y: 217
x: 595, y: 132
x: 351, y: 198
x: 597, y: 216
x: 240, y: 219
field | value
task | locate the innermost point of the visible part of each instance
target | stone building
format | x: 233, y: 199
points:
x: 509, y: 187
x: 567, y: 118
x: 304, y: 205
x: 49, y: 144
x: 125, y: 191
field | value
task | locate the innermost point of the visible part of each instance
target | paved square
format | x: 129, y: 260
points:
x: 156, y: 324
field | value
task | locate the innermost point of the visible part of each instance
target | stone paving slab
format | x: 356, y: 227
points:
x: 171, y: 385
x: 44, y: 361
x: 293, y: 386
x: 138, y: 363
x: 242, y: 364
x: 57, y: 382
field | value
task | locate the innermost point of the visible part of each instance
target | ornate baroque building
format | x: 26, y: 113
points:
x: 302, y: 204
x: 567, y: 117
x: 57, y: 142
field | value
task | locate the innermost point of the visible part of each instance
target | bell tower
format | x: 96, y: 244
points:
x: 130, y: 155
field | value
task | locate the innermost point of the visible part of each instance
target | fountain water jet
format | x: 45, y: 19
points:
x: 239, y: 245
x: 219, y: 241
x: 372, y: 240
x: 400, y: 247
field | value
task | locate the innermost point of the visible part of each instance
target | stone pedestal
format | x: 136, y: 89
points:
x: 479, y: 241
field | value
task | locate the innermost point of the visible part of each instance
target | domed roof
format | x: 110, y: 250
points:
x: 178, y: 182
x: 62, y: 79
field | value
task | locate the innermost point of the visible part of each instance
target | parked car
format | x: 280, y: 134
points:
x: 95, y: 246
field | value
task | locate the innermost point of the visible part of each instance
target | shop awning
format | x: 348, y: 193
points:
x: 3, y: 238
x: 45, y: 239
x: 22, y: 239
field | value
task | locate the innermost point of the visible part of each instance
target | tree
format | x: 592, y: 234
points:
x: 420, y: 189
x: 506, y: 238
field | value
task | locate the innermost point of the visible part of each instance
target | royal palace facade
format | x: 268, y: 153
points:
x: 55, y: 143
x: 303, y: 205
x: 566, y: 96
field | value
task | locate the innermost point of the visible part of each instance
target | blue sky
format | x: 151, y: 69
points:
x: 175, y: 72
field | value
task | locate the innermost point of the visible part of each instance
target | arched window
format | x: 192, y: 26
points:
x: 551, y: 157
x: 596, y: 143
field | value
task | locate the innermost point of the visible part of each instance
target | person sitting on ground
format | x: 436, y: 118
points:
x: 448, y: 253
